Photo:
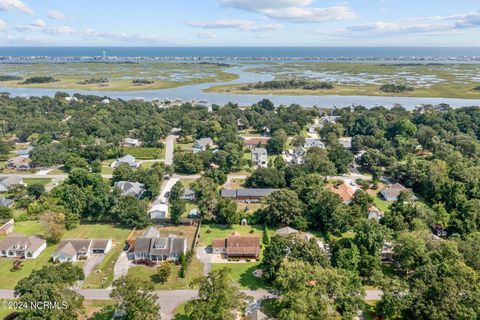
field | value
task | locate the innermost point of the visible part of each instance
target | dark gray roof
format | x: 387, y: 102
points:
x: 5, y: 202
x: 246, y: 193
x: 160, y: 245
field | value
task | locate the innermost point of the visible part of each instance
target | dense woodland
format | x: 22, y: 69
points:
x: 434, y: 150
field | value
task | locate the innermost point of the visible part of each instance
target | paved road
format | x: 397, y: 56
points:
x: 170, y: 145
x: 53, y: 176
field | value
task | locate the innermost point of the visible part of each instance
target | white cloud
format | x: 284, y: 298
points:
x: 57, y: 15
x: 7, y: 5
x: 205, y: 34
x: 297, y: 11
x: 3, y: 25
x: 243, y: 25
x: 38, y: 23
x: 303, y: 15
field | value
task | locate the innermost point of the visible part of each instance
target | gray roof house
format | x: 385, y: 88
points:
x: 246, y: 194
x: 312, y: 142
x: 25, y: 152
x: 158, y: 211
x: 286, y: 231
x: 23, y: 247
x: 151, y: 246
x: 260, y: 157
x: 7, y: 182
x: 391, y: 193
x: 134, y: 189
x: 128, y: 159
x: 6, y: 202
x: 202, y: 144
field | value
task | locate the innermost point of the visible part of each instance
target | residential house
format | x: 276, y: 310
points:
x: 189, y: 195
x: 6, y: 202
x: 151, y: 246
x: 387, y: 253
x: 69, y: 250
x: 129, y: 142
x: 25, y: 152
x: 312, y: 128
x: 392, y: 192
x: 255, y: 142
x: 159, y: 211
x: 6, y: 227
x: 134, y: 189
x: 128, y: 160
x: 202, y: 144
x: 105, y: 101
x: 266, y: 132
x: 344, y: 190
x: 299, y: 155
x: 6, y: 182
x: 312, y: 142
x: 328, y: 119
x: 71, y: 99
x: 286, y: 231
x: 375, y: 213
x: 23, y: 247
x: 260, y: 157
x: 19, y: 163
x: 346, y: 142
x: 246, y: 194
x: 237, y: 246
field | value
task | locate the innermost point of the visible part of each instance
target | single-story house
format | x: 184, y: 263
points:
x: 129, y: 142
x: 23, y: 247
x: 134, y: 189
x: 202, y: 144
x: 286, y: 231
x: 246, y: 194
x: 6, y: 202
x: 375, y: 213
x: 260, y: 157
x: 25, y: 152
x: 255, y: 142
x: 128, y: 159
x: 6, y: 226
x: 19, y: 163
x: 7, y: 182
x: 312, y: 142
x: 392, y: 192
x: 158, y: 211
x: 345, y: 191
x: 69, y: 250
x: 236, y: 245
x: 189, y: 195
x: 151, y: 246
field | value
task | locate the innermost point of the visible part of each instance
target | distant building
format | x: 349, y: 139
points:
x: 71, y: 99
x: 128, y: 160
x: 202, y: 144
x: 312, y: 128
x: 392, y: 192
x: 387, y: 252
x: 129, y: 142
x: 23, y: 247
x: 246, y: 194
x: 6, y: 202
x: 260, y: 157
x: 6, y: 227
x: 237, y: 246
x: 25, y: 152
x: 312, y: 142
x: 151, y: 246
x: 134, y: 189
x: 69, y: 250
x: 345, y: 191
x: 255, y: 142
x: 189, y: 195
x: 7, y: 182
x: 105, y: 101
x: 346, y: 142
x: 375, y: 213
x: 286, y: 231
x: 19, y: 163
x: 158, y: 211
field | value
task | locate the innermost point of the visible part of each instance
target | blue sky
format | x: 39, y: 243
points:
x: 240, y: 23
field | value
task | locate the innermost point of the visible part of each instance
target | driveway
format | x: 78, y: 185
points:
x: 91, y: 263
x: 204, y: 256
x: 169, y: 148
x: 121, y: 266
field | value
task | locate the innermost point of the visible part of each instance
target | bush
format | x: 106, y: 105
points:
x: 9, y: 78
x: 290, y: 84
x: 395, y: 88
x: 94, y: 81
x: 36, y: 80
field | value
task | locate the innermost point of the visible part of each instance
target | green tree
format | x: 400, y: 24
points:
x: 35, y: 190
x: 284, y: 208
x: 276, y: 143
x: 135, y: 299
x: 164, y: 271
x: 6, y: 213
x: 131, y: 212
x: 187, y: 163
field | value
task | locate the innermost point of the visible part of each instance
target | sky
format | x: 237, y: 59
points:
x: 316, y: 23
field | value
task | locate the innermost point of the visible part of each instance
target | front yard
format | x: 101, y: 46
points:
x: 242, y: 273
x: 208, y: 232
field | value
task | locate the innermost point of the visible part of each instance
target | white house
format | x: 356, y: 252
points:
x: 23, y: 247
x: 69, y: 250
x: 312, y: 142
x: 260, y: 157
x: 129, y: 142
x: 159, y: 211
x: 128, y: 159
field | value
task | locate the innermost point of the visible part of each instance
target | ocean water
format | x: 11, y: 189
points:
x: 288, y: 52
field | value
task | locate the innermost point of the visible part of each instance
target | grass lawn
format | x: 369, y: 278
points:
x: 42, y: 181
x: 187, y: 182
x: 145, y: 153
x: 8, y: 279
x: 57, y: 171
x: 99, y: 231
x: 208, y: 232
x: 180, y: 312
x: 242, y: 273
x: 29, y: 228
x: 98, y: 309
x: 194, y: 271
x: 107, y: 170
x: 104, y: 270
x: 381, y: 204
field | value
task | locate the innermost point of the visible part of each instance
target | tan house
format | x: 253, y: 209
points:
x: 237, y: 246
x: 23, y: 247
x: 69, y: 250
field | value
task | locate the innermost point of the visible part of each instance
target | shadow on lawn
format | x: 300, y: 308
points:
x: 248, y: 280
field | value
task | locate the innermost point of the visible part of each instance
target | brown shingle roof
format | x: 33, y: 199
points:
x: 344, y: 191
x: 243, y: 245
x: 255, y: 142
x: 218, y: 243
